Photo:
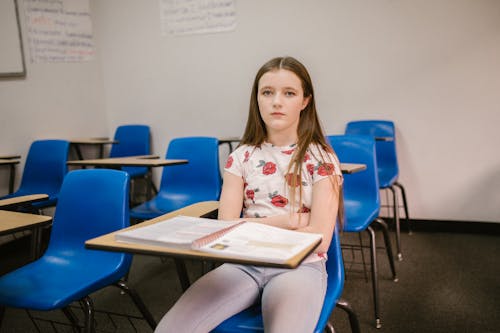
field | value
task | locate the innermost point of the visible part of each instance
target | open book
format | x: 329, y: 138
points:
x: 241, y: 240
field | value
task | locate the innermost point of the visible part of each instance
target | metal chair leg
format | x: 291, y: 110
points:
x: 138, y: 302
x: 71, y: 316
x: 88, y: 311
x: 362, y: 256
x: 373, y: 253
x: 388, y: 247
x: 405, y: 205
x: 2, y: 314
x: 353, y: 318
x: 396, y: 222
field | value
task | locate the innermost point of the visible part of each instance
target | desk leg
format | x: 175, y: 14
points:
x: 12, y: 178
x: 78, y: 151
x: 36, y: 241
x: 180, y: 265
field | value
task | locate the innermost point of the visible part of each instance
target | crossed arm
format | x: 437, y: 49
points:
x: 321, y: 218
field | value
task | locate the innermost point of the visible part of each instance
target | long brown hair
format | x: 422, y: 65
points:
x: 309, y: 130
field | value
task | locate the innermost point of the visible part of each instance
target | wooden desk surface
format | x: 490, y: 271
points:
x: 10, y: 157
x: 145, y: 161
x: 92, y: 141
x: 108, y: 242
x: 8, y: 161
x: 227, y: 139
x: 349, y: 168
x: 12, y: 221
x: 23, y: 199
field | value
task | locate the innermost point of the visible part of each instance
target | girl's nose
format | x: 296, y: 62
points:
x: 277, y: 99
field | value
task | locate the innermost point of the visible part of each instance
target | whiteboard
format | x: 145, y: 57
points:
x: 11, y: 48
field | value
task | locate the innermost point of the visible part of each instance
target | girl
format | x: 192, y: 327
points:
x: 283, y: 174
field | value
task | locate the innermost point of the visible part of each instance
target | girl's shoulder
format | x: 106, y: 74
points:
x: 320, y: 153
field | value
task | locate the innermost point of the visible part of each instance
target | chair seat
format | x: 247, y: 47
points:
x: 54, y: 281
x: 361, y: 214
x: 249, y: 320
x: 387, y: 177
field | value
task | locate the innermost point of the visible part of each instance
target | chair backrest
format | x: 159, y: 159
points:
x: 132, y: 140
x: 45, y: 167
x: 201, y: 174
x: 361, y: 189
x: 386, y: 149
x: 92, y: 202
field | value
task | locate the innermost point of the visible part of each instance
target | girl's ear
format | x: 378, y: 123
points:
x: 306, y: 102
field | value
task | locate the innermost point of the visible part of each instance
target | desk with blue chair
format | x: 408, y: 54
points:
x: 384, y: 132
x: 44, y: 171
x: 182, y: 185
x: 362, y: 200
x: 91, y: 203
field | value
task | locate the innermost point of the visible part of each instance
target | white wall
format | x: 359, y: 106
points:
x: 433, y: 67
x: 62, y: 101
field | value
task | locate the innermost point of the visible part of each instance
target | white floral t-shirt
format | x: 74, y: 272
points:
x: 265, y: 175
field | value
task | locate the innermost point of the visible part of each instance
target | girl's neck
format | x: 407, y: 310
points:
x: 281, y: 139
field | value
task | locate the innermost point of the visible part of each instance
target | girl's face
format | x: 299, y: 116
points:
x: 281, y: 99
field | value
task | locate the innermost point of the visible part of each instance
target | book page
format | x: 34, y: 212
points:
x: 179, y: 231
x: 259, y: 241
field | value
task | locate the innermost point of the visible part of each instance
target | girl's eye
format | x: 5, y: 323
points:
x: 267, y: 92
x: 290, y: 93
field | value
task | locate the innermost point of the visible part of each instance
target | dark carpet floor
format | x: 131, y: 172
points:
x: 448, y: 282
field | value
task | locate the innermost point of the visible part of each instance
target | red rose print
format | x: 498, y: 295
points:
x: 307, y: 157
x: 310, y: 168
x: 250, y: 194
x: 247, y: 155
x: 325, y: 169
x: 279, y: 201
x: 229, y: 162
x: 289, y: 179
x: 288, y: 152
x: 269, y: 168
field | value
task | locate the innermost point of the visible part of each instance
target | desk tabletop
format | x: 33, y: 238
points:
x: 145, y: 161
x: 226, y: 139
x: 349, y: 168
x: 93, y: 141
x: 12, y: 221
x: 108, y: 242
x: 23, y: 199
x: 8, y: 161
x: 9, y: 157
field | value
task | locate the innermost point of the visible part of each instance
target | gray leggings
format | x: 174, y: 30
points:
x: 291, y: 298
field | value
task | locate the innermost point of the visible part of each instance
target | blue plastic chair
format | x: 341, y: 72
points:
x: 92, y: 203
x: 250, y: 320
x: 186, y: 184
x: 362, y: 200
x: 133, y: 140
x: 44, y: 171
x: 387, y: 164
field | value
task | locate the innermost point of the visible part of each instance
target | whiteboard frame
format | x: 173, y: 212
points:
x: 21, y: 73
